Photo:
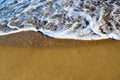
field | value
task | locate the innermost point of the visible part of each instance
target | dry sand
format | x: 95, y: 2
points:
x: 31, y: 56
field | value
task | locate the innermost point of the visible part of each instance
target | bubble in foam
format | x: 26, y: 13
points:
x: 71, y: 19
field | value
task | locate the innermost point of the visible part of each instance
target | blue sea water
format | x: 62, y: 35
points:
x: 71, y: 19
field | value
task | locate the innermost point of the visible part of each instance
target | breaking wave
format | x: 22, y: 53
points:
x: 71, y: 19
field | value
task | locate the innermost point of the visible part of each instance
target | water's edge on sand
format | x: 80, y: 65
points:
x: 35, y: 39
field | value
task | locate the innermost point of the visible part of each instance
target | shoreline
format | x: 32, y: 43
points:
x: 36, y: 39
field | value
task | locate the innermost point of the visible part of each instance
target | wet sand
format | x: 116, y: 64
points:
x: 31, y: 56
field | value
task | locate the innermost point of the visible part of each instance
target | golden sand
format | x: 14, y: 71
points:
x: 31, y: 56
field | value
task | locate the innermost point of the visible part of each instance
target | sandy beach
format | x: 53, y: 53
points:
x: 29, y: 55
x: 32, y: 56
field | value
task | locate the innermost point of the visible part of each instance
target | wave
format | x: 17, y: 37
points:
x: 71, y: 19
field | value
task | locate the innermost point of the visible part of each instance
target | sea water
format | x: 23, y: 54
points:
x: 70, y: 19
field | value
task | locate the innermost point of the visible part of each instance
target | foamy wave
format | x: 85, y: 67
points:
x: 71, y: 19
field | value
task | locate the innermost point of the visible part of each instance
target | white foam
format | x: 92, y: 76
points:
x: 16, y: 31
x: 71, y: 35
x: 67, y: 19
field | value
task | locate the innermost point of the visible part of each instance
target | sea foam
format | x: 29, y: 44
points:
x: 70, y: 19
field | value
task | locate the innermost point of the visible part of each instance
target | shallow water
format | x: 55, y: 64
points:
x: 71, y: 19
